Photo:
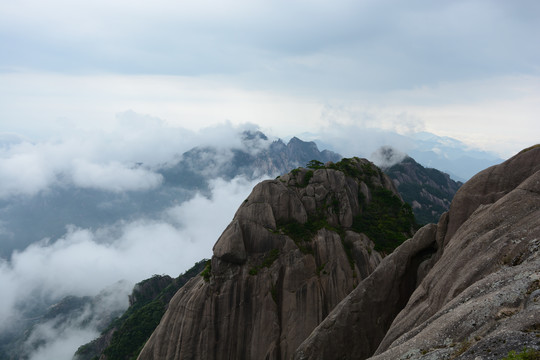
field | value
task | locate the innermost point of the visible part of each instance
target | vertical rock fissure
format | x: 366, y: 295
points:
x: 279, y: 300
x: 409, y: 280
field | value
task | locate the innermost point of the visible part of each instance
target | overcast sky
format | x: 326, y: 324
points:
x: 466, y: 69
x: 92, y: 87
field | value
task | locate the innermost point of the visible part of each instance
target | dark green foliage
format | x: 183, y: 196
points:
x: 303, y: 233
x: 526, y: 354
x: 386, y: 220
x: 347, y: 167
x: 348, y: 251
x: 267, y: 261
x: 430, y: 188
x: 424, y: 215
x: 320, y: 269
x: 529, y: 149
x: 305, y: 181
x: 370, y: 170
x: 135, y: 326
x: 270, y: 257
x: 273, y: 292
x: 335, y: 205
x: 315, y: 164
x: 297, y: 231
x: 300, y: 233
x: 128, y: 341
x: 307, y: 177
x: 361, y: 199
x: 207, y: 272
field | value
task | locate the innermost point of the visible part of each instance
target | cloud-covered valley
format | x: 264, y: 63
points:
x: 86, y: 209
x: 85, y: 261
x: 119, y: 158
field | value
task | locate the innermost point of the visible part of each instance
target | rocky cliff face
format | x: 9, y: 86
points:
x: 291, y: 279
x: 473, y: 280
x: 289, y: 256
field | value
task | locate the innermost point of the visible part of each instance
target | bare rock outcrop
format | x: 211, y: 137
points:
x: 476, y: 297
x: 289, y: 256
x: 357, y: 325
x: 490, y: 185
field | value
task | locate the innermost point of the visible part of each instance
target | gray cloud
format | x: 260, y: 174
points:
x: 352, y: 44
x: 351, y: 140
x: 58, y: 340
x: 128, y: 250
x: 108, y: 159
x: 387, y: 156
x: 113, y: 177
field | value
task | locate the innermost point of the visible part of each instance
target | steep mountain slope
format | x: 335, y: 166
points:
x: 294, y: 249
x: 429, y: 191
x: 124, y: 337
x: 475, y: 287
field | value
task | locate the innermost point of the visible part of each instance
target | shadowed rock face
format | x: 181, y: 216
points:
x: 357, y: 325
x: 285, y: 261
x: 478, y: 296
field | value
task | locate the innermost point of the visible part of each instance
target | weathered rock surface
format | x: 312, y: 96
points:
x: 285, y: 261
x: 357, y: 325
x: 476, y: 297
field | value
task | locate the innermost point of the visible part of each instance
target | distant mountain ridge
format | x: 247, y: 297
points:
x: 259, y: 157
x: 429, y: 191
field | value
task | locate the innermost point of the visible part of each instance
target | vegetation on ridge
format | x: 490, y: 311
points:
x: 134, y: 327
x: 526, y: 354
x: 385, y: 219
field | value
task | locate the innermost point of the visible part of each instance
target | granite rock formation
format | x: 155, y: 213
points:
x: 286, y: 260
x: 291, y: 279
x: 477, y: 295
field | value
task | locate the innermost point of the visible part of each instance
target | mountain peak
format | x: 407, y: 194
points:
x: 295, y: 248
x: 252, y: 135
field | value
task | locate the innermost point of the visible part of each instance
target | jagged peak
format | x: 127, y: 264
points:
x: 251, y: 135
x: 298, y: 204
x: 301, y: 233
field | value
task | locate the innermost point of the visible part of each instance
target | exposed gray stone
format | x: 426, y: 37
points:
x: 266, y: 292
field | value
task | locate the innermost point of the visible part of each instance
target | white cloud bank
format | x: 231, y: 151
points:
x: 85, y: 261
x: 120, y: 157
